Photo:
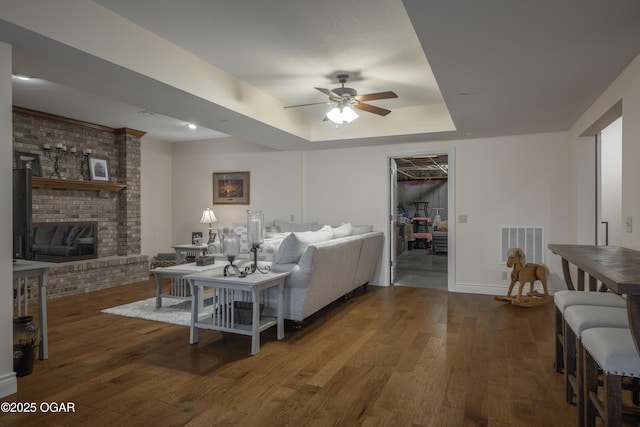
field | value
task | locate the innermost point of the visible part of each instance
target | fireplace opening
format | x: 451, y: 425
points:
x: 64, y: 241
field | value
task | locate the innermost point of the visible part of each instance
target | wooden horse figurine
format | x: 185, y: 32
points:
x: 524, y: 273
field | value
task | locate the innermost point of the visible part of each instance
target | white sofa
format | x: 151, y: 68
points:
x: 326, y: 263
x: 327, y: 271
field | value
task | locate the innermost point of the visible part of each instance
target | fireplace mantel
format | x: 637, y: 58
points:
x: 67, y: 184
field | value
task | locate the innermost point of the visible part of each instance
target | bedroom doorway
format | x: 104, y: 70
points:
x: 420, y: 207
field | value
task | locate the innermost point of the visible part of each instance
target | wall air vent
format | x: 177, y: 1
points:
x: 529, y: 238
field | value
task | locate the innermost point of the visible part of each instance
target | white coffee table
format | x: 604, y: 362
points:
x: 179, y: 287
x: 230, y: 289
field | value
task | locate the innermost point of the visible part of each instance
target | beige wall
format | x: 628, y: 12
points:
x: 518, y: 180
x: 275, y: 178
x: 8, y: 383
x: 156, y: 196
x: 625, y: 88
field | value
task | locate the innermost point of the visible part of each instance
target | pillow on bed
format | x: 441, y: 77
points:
x: 294, y: 245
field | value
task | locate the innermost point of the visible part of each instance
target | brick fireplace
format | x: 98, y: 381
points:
x: 73, y: 197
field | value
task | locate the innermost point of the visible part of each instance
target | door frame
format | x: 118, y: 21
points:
x: 451, y: 211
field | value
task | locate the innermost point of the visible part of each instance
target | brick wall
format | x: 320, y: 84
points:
x: 116, y: 212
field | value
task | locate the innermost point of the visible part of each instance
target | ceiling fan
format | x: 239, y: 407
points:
x: 346, y: 98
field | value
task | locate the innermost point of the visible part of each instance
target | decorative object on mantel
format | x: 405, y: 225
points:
x: 99, y: 168
x: 525, y: 273
x: 84, y: 164
x: 58, y: 153
x: 209, y: 218
x: 231, y: 249
x: 231, y: 188
x: 29, y: 161
x: 255, y: 235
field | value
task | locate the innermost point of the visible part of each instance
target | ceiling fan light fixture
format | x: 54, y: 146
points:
x: 341, y: 115
x: 348, y: 114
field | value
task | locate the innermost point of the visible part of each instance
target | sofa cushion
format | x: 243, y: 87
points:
x: 343, y: 230
x: 269, y: 248
x: 288, y: 227
x: 357, y: 230
x: 294, y: 245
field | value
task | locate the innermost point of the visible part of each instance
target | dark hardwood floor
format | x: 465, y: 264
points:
x: 395, y: 356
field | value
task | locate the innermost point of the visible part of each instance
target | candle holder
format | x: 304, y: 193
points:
x: 255, y: 235
x: 231, y: 249
x: 57, y: 153
x: 84, y: 165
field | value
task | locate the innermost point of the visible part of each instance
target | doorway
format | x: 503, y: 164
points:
x: 420, y: 210
x: 609, y: 184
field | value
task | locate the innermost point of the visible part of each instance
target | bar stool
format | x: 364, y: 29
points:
x: 615, y: 352
x: 579, y: 318
x: 564, y: 299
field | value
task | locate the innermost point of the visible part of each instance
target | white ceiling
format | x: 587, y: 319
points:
x: 498, y: 67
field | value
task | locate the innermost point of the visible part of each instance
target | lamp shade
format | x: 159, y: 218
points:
x: 208, y: 217
x: 339, y: 115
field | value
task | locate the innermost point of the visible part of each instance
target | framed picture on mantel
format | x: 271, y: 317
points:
x: 99, y: 169
x: 231, y: 188
x: 29, y: 160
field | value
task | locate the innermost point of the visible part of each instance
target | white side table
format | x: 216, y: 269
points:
x: 182, y: 251
x: 230, y: 289
x: 23, y: 269
x: 180, y: 288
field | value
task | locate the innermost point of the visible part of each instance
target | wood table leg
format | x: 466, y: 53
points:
x: 567, y: 275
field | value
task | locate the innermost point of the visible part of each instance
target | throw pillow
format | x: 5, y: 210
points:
x: 294, y: 245
x: 342, y: 231
x: 269, y: 248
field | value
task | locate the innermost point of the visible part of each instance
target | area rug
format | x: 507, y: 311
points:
x: 174, y: 311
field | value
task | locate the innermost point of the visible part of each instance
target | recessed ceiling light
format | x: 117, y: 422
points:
x: 192, y: 126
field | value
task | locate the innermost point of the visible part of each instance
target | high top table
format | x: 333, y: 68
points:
x: 23, y: 269
x: 617, y: 268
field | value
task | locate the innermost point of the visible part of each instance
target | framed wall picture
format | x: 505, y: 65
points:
x: 99, y: 169
x: 231, y: 188
x: 29, y: 160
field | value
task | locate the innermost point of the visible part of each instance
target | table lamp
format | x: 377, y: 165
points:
x: 209, y: 218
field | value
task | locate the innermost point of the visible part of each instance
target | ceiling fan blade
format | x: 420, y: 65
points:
x: 372, y: 109
x: 305, y: 105
x: 329, y: 93
x: 379, y: 95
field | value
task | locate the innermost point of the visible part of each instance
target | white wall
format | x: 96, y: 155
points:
x: 276, y: 183
x: 156, y: 196
x: 626, y: 88
x: 8, y: 382
x: 518, y: 180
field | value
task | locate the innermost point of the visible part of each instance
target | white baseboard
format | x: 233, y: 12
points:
x: 473, y: 288
x: 8, y: 384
